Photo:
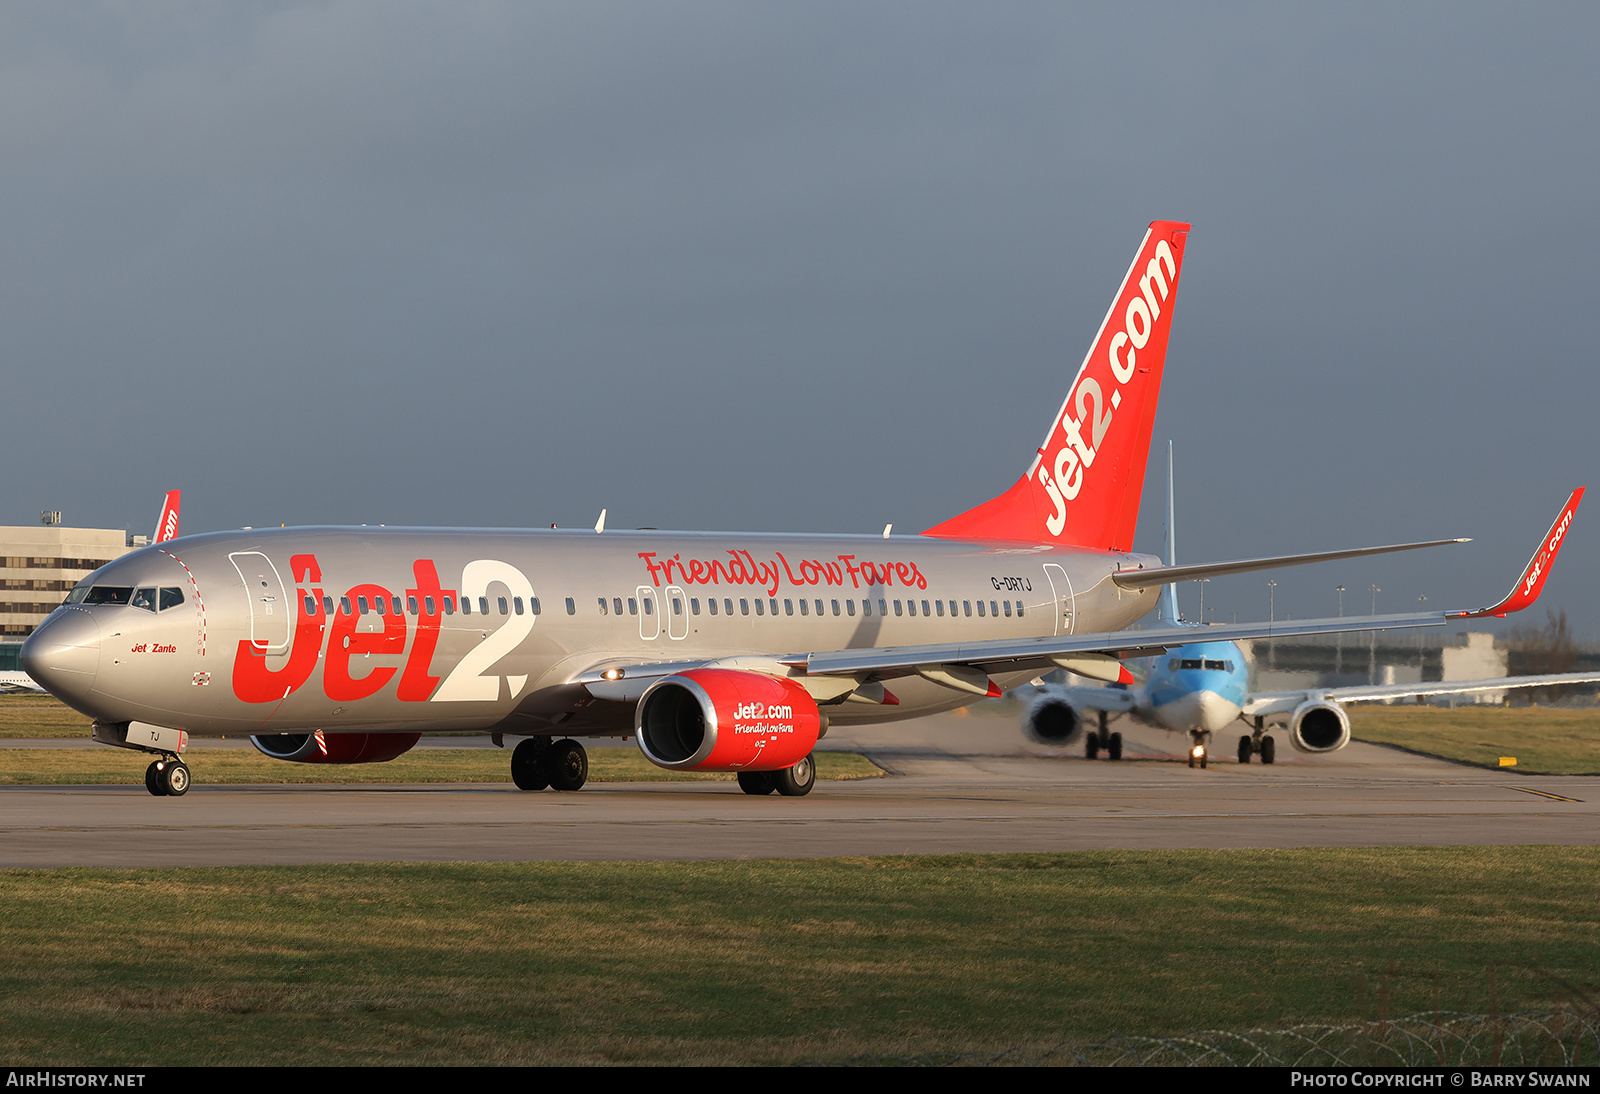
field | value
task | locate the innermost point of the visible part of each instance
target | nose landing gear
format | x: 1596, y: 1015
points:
x: 1199, y: 747
x: 167, y: 778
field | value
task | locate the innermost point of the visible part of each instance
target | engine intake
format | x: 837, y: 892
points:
x: 1052, y: 720
x: 337, y: 748
x: 726, y: 720
x: 1319, y: 725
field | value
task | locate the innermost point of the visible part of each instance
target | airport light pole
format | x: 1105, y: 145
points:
x: 1272, y: 650
x: 1421, y: 600
x: 1203, y: 581
x: 1372, y: 640
x: 1338, y: 657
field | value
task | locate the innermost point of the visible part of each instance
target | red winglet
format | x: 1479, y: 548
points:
x: 1531, y: 584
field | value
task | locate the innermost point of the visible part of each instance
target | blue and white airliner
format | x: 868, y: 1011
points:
x: 1201, y: 688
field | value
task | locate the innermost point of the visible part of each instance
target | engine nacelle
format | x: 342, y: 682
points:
x: 726, y: 720
x: 1052, y: 720
x: 1319, y: 725
x: 336, y: 748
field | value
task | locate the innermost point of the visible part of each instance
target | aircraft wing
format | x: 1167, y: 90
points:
x: 15, y: 683
x: 1281, y: 702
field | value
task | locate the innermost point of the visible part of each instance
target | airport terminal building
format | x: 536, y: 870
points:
x: 39, y: 565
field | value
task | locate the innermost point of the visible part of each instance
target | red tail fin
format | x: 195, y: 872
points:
x: 167, y: 525
x: 1084, y: 484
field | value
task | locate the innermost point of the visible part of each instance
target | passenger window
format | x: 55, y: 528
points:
x: 427, y: 604
x: 516, y: 604
x: 804, y: 610
x: 896, y: 607
x: 483, y: 606
x: 744, y: 606
x: 850, y: 607
x: 694, y: 605
x: 939, y: 607
x: 379, y: 606
x: 967, y: 605
x: 953, y: 612
x: 1008, y: 609
x: 819, y: 605
x: 649, y: 606
x: 835, y: 607
x: 911, y: 607
x: 616, y: 604
x: 980, y: 609
x: 711, y: 605
x: 327, y: 605
x: 533, y: 605
x: 758, y: 607
x: 788, y: 607
x: 727, y: 605
x: 772, y: 606
x: 866, y: 607
x: 572, y: 607
x: 505, y: 609
x: 633, y: 606
x: 994, y: 609
x: 466, y: 605
x: 311, y: 605
x: 1019, y: 609
x: 411, y: 605
x: 677, y: 605
x: 449, y: 605
x: 602, y: 605
x: 171, y: 597
x: 883, y: 607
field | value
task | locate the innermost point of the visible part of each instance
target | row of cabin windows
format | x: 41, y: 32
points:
x: 807, y: 607
x: 392, y: 606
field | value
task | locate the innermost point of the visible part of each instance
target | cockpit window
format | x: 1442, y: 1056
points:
x: 77, y: 594
x: 1190, y: 663
x: 171, y: 597
x: 109, y: 594
x: 1219, y: 666
x: 145, y: 599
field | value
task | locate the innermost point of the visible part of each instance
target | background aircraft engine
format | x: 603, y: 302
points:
x: 726, y: 720
x: 1319, y: 726
x: 1052, y: 720
x: 342, y: 748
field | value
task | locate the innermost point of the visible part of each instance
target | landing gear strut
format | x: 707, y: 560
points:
x: 167, y: 778
x: 1100, y: 739
x: 1199, y: 747
x: 1257, y: 742
x: 538, y: 762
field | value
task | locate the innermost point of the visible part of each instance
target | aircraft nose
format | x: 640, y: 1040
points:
x: 63, y: 653
x: 1215, y: 711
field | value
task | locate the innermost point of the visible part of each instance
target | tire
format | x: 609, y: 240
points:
x: 757, y: 782
x: 1203, y: 760
x: 152, y: 779
x: 1191, y: 759
x: 1114, y: 748
x: 175, y: 779
x: 1267, y: 750
x: 566, y: 765
x: 1091, y: 746
x: 527, y: 770
x: 796, y: 781
x: 1245, y: 748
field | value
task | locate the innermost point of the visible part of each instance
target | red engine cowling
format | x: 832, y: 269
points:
x: 726, y: 720
x: 335, y: 748
x: 1319, y: 725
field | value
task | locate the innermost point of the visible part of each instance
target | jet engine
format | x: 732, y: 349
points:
x: 1319, y: 725
x: 726, y: 720
x: 1052, y: 720
x: 335, y: 748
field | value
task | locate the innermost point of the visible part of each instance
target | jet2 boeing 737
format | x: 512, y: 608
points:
x: 717, y: 651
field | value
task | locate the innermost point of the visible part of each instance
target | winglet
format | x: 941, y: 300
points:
x: 167, y: 525
x: 1531, y: 583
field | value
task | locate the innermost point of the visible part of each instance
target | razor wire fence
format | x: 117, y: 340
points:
x: 1536, y: 1038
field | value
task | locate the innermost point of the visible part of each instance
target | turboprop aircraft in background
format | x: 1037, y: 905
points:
x: 1200, y: 688
x: 717, y: 651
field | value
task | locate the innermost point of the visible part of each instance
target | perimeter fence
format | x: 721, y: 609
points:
x: 1535, y: 1038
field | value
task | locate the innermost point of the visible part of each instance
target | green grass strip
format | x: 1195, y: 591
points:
x: 771, y: 961
x: 1544, y: 740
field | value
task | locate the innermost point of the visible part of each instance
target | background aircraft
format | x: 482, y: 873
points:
x: 1200, y: 688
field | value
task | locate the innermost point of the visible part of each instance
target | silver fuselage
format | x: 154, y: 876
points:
x: 253, y: 647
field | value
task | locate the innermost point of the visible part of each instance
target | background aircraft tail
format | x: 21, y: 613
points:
x: 167, y: 523
x: 1084, y: 484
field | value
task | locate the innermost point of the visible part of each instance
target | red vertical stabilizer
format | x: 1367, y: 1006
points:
x: 1083, y: 486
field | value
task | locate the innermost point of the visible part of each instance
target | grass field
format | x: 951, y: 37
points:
x: 771, y: 961
x: 1544, y: 740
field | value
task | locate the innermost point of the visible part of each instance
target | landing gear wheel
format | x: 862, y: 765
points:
x: 1203, y: 758
x: 1114, y: 747
x: 175, y: 779
x: 152, y: 779
x: 567, y: 765
x: 1091, y: 746
x: 1246, y: 747
x: 758, y: 782
x: 796, y: 781
x: 527, y: 770
x: 1267, y: 750
x: 1191, y: 759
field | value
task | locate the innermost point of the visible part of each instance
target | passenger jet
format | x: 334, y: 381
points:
x: 716, y: 651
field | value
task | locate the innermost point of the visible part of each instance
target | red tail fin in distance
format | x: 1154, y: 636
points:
x: 1084, y: 483
x: 167, y: 525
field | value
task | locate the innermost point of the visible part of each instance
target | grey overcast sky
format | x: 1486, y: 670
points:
x: 806, y: 266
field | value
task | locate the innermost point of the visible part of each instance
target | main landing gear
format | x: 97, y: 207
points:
x: 791, y: 782
x: 1100, y: 739
x: 538, y: 762
x: 1257, y: 742
x: 167, y: 777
